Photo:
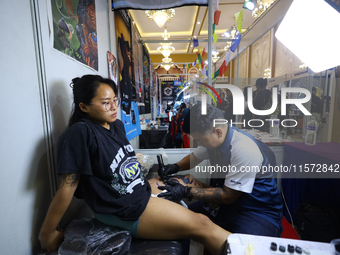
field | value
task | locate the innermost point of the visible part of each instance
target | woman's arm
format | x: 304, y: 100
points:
x: 50, y: 238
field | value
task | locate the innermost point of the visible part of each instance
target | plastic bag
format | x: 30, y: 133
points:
x: 165, y: 157
x: 89, y: 236
x: 146, y: 162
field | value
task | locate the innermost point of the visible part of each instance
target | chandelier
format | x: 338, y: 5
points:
x: 160, y: 16
x: 230, y: 33
x: 261, y: 8
x: 166, y: 49
x: 167, y: 63
x: 215, y: 56
x: 267, y: 73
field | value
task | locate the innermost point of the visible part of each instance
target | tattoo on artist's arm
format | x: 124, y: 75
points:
x: 216, y: 195
x: 69, y: 179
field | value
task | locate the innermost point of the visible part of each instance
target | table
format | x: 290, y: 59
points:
x: 151, y: 139
x: 319, y: 189
x: 239, y: 243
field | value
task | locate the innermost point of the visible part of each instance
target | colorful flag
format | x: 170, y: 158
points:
x: 195, y: 41
x: 226, y: 57
x: 217, y: 73
x: 217, y: 15
x: 215, y: 36
x: 239, y: 20
x: 235, y: 42
x: 204, y: 51
x: 223, y: 68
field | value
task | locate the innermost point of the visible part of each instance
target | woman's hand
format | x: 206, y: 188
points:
x: 51, y: 241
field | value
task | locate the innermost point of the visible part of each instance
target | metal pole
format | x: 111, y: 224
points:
x: 210, y: 19
x: 237, y: 72
x: 309, y: 103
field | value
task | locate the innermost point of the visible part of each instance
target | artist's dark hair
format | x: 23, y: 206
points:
x: 84, y: 90
x: 194, y: 121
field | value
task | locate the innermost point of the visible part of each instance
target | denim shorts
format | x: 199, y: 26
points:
x: 112, y: 220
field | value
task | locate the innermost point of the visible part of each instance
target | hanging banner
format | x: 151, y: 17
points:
x: 126, y: 85
x: 168, y: 91
x: 75, y: 30
x: 155, y: 5
x: 132, y: 122
x: 137, y: 62
x: 146, y: 79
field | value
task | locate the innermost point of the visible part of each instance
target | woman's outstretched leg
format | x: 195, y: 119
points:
x: 163, y: 219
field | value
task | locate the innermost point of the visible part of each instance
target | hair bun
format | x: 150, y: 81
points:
x: 74, y: 81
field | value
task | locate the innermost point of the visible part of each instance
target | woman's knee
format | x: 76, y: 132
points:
x: 202, y: 222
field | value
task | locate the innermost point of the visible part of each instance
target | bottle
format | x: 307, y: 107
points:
x: 274, y: 126
x: 311, y: 132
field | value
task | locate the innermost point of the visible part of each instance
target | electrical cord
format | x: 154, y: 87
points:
x: 290, y: 216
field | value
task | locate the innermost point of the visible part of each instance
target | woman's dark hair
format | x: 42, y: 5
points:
x: 84, y: 90
x: 194, y: 121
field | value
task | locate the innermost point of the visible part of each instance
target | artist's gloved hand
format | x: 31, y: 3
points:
x: 175, y: 191
x: 164, y: 171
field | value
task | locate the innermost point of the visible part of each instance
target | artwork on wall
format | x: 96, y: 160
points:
x: 112, y: 62
x: 146, y: 78
x: 137, y: 62
x: 126, y: 83
x: 75, y: 30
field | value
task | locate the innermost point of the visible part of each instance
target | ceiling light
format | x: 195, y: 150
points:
x: 198, y: 22
x: 166, y: 49
x: 160, y: 16
x: 215, y: 56
x: 267, y: 73
x: 166, y: 67
x: 261, y: 8
x: 227, y: 33
x: 166, y: 60
x: 167, y: 63
x: 300, y: 39
x: 303, y: 66
x: 249, y: 5
x: 230, y: 33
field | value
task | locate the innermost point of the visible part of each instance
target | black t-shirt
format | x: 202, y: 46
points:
x: 111, y: 180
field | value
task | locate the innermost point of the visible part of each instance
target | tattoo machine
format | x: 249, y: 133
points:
x: 161, y: 165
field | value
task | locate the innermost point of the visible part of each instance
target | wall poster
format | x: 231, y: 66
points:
x: 130, y: 112
x: 127, y: 92
x: 146, y: 78
x: 137, y: 62
x: 75, y: 30
x: 112, y: 62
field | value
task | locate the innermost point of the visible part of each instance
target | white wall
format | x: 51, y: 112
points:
x: 24, y: 178
x: 24, y: 183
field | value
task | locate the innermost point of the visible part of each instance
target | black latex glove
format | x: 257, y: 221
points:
x: 164, y: 171
x: 175, y: 191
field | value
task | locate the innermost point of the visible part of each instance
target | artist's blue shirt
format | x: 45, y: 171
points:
x: 245, y: 157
